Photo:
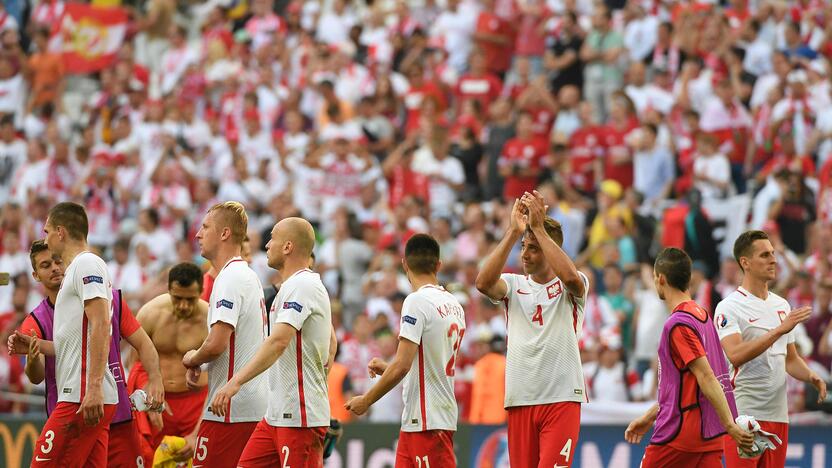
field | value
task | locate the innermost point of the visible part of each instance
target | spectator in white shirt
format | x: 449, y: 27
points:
x: 12, y: 90
x: 711, y: 168
x: 456, y: 26
x: 640, y: 33
x: 12, y: 155
x: 161, y: 244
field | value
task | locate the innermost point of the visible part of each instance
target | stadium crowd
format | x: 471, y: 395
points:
x: 377, y: 120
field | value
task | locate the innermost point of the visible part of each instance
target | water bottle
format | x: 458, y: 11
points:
x: 139, y: 401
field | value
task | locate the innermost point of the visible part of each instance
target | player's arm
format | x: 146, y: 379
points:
x: 149, y: 358
x: 797, y: 368
x: 739, y: 351
x: 268, y: 353
x: 98, y: 317
x: 333, y: 348
x: 561, y: 264
x: 488, y: 279
x: 713, y: 391
x: 393, y: 374
x: 212, y: 348
x: 636, y: 430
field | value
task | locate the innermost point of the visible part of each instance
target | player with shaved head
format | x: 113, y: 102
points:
x: 237, y: 327
x: 297, y: 353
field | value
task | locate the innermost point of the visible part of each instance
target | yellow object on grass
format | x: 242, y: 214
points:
x: 164, y: 454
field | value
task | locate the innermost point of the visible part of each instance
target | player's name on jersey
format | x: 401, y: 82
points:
x: 448, y: 309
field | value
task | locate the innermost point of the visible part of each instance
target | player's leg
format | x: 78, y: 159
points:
x: 560, y: 425
x: 775, y: 458
x: 732, y: 457
x: 66, y: 437
x: 301, y: 447
x: 261, y: 448
x: 219, y: 445
x: 433, y: 449
x: 662, y: 456
x: 186, y: 409
x: 97, y: 456
x: 404, y: 456
x: 523, y: 437
x: 124, y: 448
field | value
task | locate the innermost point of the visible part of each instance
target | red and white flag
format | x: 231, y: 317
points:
x: 88, y: 37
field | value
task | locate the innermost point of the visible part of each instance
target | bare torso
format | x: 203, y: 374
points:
x: 173, y: 337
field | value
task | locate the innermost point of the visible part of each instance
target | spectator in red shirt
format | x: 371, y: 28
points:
x: 618, y: 156
x: 522, y: 158
x: 493, y: 36
x: 585, y: 148
x: 478, y: 83
x: 420, y: 91
x: 402, y: 179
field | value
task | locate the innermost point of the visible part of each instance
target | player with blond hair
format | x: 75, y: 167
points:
x: 236, y: 321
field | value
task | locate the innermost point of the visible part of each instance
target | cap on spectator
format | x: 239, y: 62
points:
x: 797, y: 76
x: 611, y: 188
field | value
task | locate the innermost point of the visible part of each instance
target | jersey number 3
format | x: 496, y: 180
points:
x: 455, y: 334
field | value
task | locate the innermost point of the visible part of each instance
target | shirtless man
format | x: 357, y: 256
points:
x: 176, y: 323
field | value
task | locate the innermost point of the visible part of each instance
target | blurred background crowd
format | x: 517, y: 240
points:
x: 644, y: 124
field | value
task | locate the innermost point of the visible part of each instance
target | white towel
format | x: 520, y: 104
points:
x: 762, y: 440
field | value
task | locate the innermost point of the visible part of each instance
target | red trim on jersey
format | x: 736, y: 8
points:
x: 84, y: 342
x: 505, y: 302
x: 734, y: 377
x: 574, y: 314
x: 422, y: 389
x: 230, y: 262
x: 299, y: 347
x: 744, y: 294
x: 230, y: 374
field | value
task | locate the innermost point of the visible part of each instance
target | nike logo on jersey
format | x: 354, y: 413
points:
x: 522, y: 292
x: 42, y: 459
x: 753, y: 320
x: 561, y: 466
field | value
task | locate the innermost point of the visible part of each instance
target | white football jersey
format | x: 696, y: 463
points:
x: 85, y: 278
x: 759, y: 384
x: 298, y: 392
x: 544, y: 321
x: 237, y: 299
x: 433, y: 319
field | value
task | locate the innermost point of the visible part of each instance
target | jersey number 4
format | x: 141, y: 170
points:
x: 538, y: 315
x: 455, y: 334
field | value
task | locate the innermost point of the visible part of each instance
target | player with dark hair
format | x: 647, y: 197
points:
x: 87, y: 384
x: 544, y: 310
x: 755, y: 328
x: 34, y: 338
x: 432, y: 327
x: 297, y: 352
x: 176, y: 322
x: 691, y: 366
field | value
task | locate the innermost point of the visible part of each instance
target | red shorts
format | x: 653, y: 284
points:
x: 426, y: 449
x: 284, y: 446
x: 543, y: 435
x: 662, y: 456
x: 769, y: 458
x: 67, y: 441
x: 219, y: 445
x: 124, y: 447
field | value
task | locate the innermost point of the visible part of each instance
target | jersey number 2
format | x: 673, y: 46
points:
x: 538, y: 315
x: 455, y: 334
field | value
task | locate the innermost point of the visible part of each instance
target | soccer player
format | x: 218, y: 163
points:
x: 691, y: 366
x: 236, y: 321
x: 176, y: 322
x: 36, y: 334
x: 296, y: 354
x: 432, y: 327
x: 755, y: 329
x: 544, y: 309
x: 77, y: 429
